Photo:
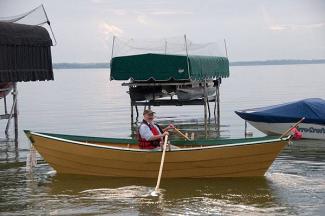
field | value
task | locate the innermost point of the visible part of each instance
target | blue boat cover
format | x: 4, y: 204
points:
x: 313, y: 109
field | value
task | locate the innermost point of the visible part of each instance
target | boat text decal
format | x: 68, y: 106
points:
x: 312, y: 130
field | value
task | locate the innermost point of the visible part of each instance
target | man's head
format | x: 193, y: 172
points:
x: 148, y: 115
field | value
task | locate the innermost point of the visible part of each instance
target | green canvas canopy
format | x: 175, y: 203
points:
x: 163, y: 67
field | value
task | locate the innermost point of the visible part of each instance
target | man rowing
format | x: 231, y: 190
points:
x: 150, y: 135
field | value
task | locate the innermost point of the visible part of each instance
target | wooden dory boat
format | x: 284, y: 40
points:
x: 122, y: 158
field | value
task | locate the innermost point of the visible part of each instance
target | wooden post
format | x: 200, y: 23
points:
x: 15, y: 93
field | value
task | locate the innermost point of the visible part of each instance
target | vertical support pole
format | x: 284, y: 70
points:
x: 218, y: 105
x: 226, y: 50
x: 188, y: 62
x: 205, y: 120
x: 112, y: 55
x: 245, y: 128
x: 48, y: 22
x: 215, y: 108
x: 209, y: 112
x: 113, y: 44
x: 5, y: 103
x: 137, y: 111
x: 205, y: 111
x: 15, y: 93
x: 131, y: 113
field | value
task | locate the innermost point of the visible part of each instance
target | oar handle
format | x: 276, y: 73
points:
x: 295, y: 125
x: 180, y: 133
x: 161, y: 164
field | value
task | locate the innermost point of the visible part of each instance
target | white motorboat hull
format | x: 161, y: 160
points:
x: 309, y: 131
x: 193, y: 93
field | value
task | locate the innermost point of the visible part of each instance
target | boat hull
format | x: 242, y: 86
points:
x: 309, y: 131
x: 235, y: 160
x: 278, y: 118
x: 185, y: 94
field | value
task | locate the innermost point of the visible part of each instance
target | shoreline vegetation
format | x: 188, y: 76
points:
x: 235, y: 63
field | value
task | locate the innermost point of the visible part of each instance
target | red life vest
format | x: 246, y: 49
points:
x: 143, y: 143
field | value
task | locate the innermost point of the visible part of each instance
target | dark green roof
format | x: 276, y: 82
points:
x: 162, y: 67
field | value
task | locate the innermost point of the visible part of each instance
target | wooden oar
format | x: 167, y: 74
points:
x: 155, y: 192
x: 295, y: 125
x: 180, y: 133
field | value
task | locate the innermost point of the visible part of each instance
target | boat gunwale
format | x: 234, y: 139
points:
x: 267, y: 141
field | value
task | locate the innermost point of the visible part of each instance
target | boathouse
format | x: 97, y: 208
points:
x: 25, y: 55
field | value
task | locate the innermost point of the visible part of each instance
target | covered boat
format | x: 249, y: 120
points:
x: 195, y: 91
x: 275, y: 119
x: 122, y: 158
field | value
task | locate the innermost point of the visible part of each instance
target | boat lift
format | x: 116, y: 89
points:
x: 205, y: 101
x: 25, y: 56
x: 154, y: 76
x: 11, y: 88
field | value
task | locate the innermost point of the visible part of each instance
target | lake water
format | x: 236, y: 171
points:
x: 85, y: 102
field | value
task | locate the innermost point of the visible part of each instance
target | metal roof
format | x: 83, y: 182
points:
x: 25, y: 53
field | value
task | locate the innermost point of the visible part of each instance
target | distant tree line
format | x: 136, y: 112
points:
x: 236, y: 63
x: 79, y: 65
x: 278, y: 62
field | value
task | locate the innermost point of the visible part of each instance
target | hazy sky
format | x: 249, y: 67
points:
x: 254, y: 29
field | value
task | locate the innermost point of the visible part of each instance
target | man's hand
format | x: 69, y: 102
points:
x: 165, y: 133
x: 170, y: 126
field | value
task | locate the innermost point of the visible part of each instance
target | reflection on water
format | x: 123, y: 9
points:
x: 66, y: 194
x: 294, y: 185
x: 9, y: 152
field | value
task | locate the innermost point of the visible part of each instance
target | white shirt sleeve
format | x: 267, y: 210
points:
x: 145, y: 132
